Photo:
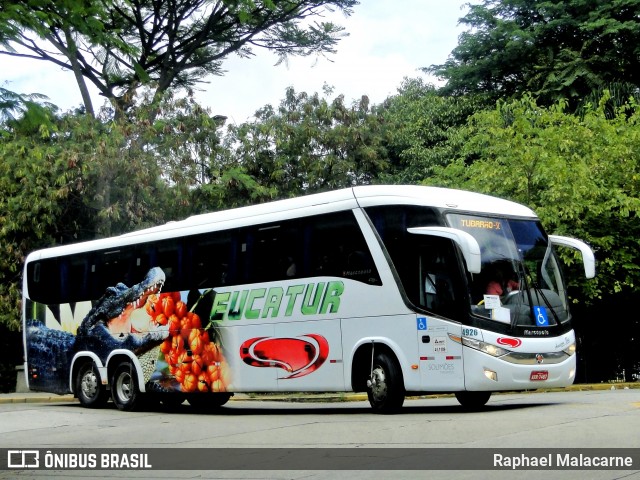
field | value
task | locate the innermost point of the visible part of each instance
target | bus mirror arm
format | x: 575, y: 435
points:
x: 587, y: 254
x: 467, y: 243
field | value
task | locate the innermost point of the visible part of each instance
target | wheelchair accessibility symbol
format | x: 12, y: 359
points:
x: 422, y: 323
x: 542, y: 320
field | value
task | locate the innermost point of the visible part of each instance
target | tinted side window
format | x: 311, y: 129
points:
x: 392, y: 221
x: 337, y: 247
x: 271, y: 252
x: 323, y: 245
x: 212, y: 260
x: 427, y: 266
x: 330, y: 245
x: 437, y: 287
x: 44, y: 281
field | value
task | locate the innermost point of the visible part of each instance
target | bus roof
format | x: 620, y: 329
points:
x: 337, y: 200
x: 442, y: 198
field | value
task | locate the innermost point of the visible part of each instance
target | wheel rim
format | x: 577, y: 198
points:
x: 89, y: 384
x: 378, y: 384
x: 123, y: 387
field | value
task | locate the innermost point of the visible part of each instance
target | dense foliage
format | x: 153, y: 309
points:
x: 557, y: 49
x: 311, y: 144
x: 421, y: 129
x: 70, y: 177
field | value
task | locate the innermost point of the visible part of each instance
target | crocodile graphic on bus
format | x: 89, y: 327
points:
x: 175, y: 351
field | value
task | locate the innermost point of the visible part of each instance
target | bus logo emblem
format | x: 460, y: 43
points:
x: 510, y: 342
x: 298, y: 356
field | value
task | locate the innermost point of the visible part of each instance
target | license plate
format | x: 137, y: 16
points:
x: 539, y: 376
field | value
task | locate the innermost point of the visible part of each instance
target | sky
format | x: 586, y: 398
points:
x: 388, y: 41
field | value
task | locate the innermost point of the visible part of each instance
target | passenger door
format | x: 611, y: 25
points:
x: 442, y: 294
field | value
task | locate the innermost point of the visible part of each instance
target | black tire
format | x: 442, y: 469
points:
x: 124, y: 387
x: 89, y: 388
x: 473, y: 400
x: 386, y: 391
x: 172, y: 401
x: 208, y: 401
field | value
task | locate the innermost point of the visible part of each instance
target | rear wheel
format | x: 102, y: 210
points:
x: 89, y: 388
x: 473, y: 400
x: 386, y: 388
x: 124, y: 387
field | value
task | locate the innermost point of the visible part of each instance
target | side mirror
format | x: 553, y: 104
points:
x: 588, y: 258
x: 468, y: 245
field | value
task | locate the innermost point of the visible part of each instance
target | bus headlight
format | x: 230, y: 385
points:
x: 571, y: 349
x: 491, y: 375
x: 487, y: 348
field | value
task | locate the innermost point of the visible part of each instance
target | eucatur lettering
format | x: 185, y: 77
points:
x: 258, y: 303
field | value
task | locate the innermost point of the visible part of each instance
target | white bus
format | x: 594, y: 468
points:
x: 389, y: 290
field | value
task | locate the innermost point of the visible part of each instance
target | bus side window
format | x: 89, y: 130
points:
x: 170, y: 259
x: 74, y: 285
x: 107, y: 269
x: 338, y: 248
x: 272, y: 252
x: 211, y: 258
x: 44, y: 281
x: 438, y: 273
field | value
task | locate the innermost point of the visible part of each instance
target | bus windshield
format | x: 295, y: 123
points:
x: 520, y: 282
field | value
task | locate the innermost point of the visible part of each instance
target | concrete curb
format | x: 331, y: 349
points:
x: 34, y: 398
x: 301, y: 397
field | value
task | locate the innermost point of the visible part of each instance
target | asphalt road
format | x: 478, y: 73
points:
x: 606, y: 421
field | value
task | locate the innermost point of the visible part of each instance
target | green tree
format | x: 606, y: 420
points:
x: 553, y: 48
x: 120, y: 47
x: 196, y: 159
x: 36, y: 184
x: 184, y: 139
x: 64, y: 32
x: 14, y: 105
x: 71, y: 177
x: 422, y: 129
x: 311, y: 144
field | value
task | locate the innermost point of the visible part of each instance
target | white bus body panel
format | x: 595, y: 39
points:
x: 365, y: 312
x: 514, y: 376
x: 441, y: 361
x: 384, y: 329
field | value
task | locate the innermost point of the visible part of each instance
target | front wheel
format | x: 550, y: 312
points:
x: 89, y: 389
x: 386, y: 387
x: 473, y: 400
x: 124, y: 387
